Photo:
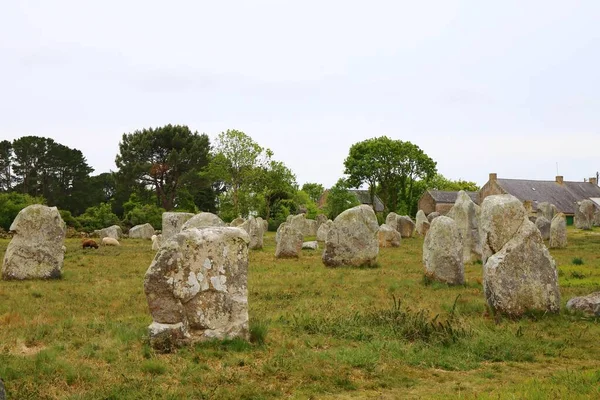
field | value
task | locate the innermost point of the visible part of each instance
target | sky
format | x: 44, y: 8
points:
x: 510, y: 87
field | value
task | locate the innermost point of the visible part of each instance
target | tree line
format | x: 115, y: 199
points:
x: 172, y: 168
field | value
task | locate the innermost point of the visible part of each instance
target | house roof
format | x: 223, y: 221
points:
x: 564, y: 196
x: 443, y: 196
x: 364, y: 197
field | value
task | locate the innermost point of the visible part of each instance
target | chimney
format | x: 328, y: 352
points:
x: 594, y: 181
x: 559, y: 179
x: 493, y: 177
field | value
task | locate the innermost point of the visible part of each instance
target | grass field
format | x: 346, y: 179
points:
x: 319, y: 333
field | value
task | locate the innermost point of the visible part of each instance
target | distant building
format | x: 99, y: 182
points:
x: 563, y: 194
x: 441, y: 200
x: 362, y: 196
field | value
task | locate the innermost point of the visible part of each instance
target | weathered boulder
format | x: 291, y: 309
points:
x: 113, y: 231
x: 196, y: 287
x: 254, y: 227
x: 406, y: 226
x: 324, y: 230
x: 388, y: 236
x: 589, y: 304
x: 265, y: 225
x: 391, y: 220
x: 443, y: 252
x: 321, y: 219
x: 36, y: 250
x: 144, y: 231
x: 466, y: 215
x: 433, y: 216
x: 157, y: 241
x: 518, y: 273
x: 544, y: 226
x: 596, y: 221
x: 203, y: 220
x: 422, y: 223
x: 172, y: 222
x: 352, y: 239
x: 584, y: 214
x: 313, y: 245
x: 558, y: 231
x: 308, y: 227
x: 237, y: 222
x: 499, y: 222
x: 290, y: 241
x: 546, y: 210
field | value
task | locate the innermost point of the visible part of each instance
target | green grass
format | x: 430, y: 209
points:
x: 316, y: 332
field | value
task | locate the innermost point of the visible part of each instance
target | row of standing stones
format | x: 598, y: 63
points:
x: 196, y: 285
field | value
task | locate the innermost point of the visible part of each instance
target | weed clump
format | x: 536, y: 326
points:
x: 577, y: 261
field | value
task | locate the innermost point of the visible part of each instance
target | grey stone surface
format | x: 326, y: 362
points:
x: 172, y: 222
x: 237, y: 222
x: 352, y: 239
x: 433, y: 216
x: 546, y: 210
x: 157, y: 241
x: 406, y: 226
x: 544, y: 226
x: 388, y: 236
x: 391, y: 220
x: 500, y: 219
x: 443, y: 252
x: 196, y: 287
x: 203, y: 220
x: 144, y: 231
x: 254, y: 227
x: 558, y: 231
x: 324, y: 230
x: 289, y: 244
x: 36, y: 250
x: 113, y: 231
x: 466, y: 214
x: 422, y: 223
x: 589, y: 304
x: 584, y: 215
x: 312, y: 245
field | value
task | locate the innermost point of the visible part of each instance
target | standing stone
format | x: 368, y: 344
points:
x: 518, y: 273
x: 388, y: 236
x: 237, y: 222
x: 466, y: 215
x: 321, y: 219
x: 196, y: 287
x: 544, y: 226
x: 433, y: 216
x: 422, y: 223
x: 589, y: 304
x: 546, y: 210
x: 596, y: 221
x: 141, y: 232
x: 290, y: 241
x: 391, y: 220
x: 265, y: 225
x: 558, y: 231
x: 406, y: 226
x: 312, y: 245
x: 203, y: 220
x: 172, y: 222
x: 255, y: 229
x: 310, y: 227
x: 584, y: 215
x: 36, y: 250
x: 157, y: 241
x: 324, y: 230
x: 352, y: 240
x: 113, y: 231
x: 443, y: 252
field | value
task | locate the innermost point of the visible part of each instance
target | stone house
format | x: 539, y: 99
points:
x: 563, y: 194
x: 441, y: 200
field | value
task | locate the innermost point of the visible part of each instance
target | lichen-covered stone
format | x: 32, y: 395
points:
x: 558, y: 231
x: 589, y: 304
x: 596, y: 221
x: 324, y: 230
x: 544, y: 226
x: 254, y: 227
x: 406, y: 226
x: 196, y: 287
x: 157, y: 241
x: 466, y: 214
x: 443, y: 252
x: 312, y: 245
x: 321, y: 219
x: 352, y: 239
x: 113, y: 231
x: 584, y: 215
x: 308, y: 227
x: 203, y: 220
x: 172, y: 222
x: 144, y: 231
x: 237, y: 222
x: 388, y: 236
x: 422, y: 223
x: 433, y: 216
x: 289, y: 244
x: 391, y: 220
x: 36, y: 250
x: 546, y: 210
x: 519, y: 274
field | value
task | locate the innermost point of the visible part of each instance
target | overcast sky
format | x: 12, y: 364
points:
x: 510, y: 87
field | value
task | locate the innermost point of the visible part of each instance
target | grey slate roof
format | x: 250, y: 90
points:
x: 564, y: 197
x: 443, y: 196
x: 364, y: 197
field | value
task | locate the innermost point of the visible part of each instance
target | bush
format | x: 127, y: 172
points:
x: 577, y: 261
x: 69, y: 219
x: 12, y: 203
x: 98, y: 217
x: 142, y: 214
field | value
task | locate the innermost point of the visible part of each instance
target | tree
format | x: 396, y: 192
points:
x: 160, y: 158
x: 314, y: 191
x: 5, y: 166
x: 11, y: 204
x: 390, y: 168
x: 440, y: 182
x: 98, y: 217
x: 273, y: 182
x: 339, y: 199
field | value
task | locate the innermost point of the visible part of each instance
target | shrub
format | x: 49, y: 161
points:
x: 577, y: 261
x: 12, y: 203
x: 69, y: 219
x: 98, y: 217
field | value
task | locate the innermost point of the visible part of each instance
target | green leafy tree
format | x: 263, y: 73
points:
x: 390, y: 168
x: 339, y: 199
x: 314, y: 191
x: 13, y: 202
x: 439, y: 182
x: 273, y: 182
x: 160, y: 159
x: 5, y: 166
